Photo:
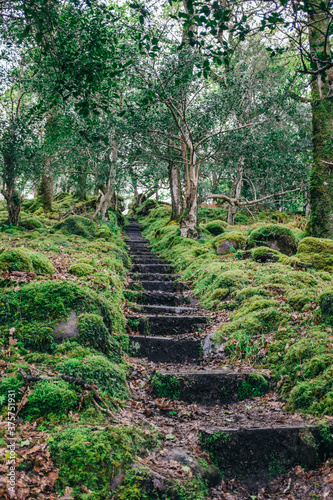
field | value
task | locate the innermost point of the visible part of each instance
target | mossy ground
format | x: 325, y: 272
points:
x: 280, y: 316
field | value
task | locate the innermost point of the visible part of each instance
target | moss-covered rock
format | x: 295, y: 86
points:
x: 101, y: 246
x: 80, y: 269
x: 94, y: 369
x: 316, y: 251
x: 50, y: 397
x: 326, y: 306
x: 271, y: 255
x: 103, y: 232
x: 92, y: 457
x: 274, y: 236
x: 298, y: 299
x: 76, y: 224
x: 216, y: 227
x: 16, y: 260
x: 31, y: 223
x: 41, y: 264
x: 230, y: 241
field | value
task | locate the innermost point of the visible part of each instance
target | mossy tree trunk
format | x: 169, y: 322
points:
x: 45, y: 190
x: 321, y: 176
x: 12, y: 197
x: 108, y: 199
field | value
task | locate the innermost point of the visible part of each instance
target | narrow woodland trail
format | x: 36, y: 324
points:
x: 203, y: 405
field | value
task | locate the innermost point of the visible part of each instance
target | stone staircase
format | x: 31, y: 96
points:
x: 165, y: 326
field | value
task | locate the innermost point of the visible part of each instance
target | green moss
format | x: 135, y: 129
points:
x: 16, y: 260
x: 80, y: 269
x: 31, y: 223
x: 105, y: 247
x: 76, y: 224
x: 10, y: 383
x: 166, y: 386
x: 35, y: 335
x: 318, y: 252
x: 41, y: 264
x: 259, y: 251
x: 277, y: 234
x: 255, y: 385
x: 298, y: 299
x: 94, y: 369
x: 212, y: 442
x: 314, y: 396
x: 93, y: 333
x: 48, y: 398
x: 237, y: 239
x: 113, y: 264
x: 216, y: 227
x: 326, y: 306
x: 91, y: 457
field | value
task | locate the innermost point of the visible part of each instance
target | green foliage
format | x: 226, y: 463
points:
x: 111, y: 248
x: 41, y: 264
x: 166, y: 386
x: 318, y: 252
x: 48, y: 398
x: 94, y: 369
x: 90, y: 457
x: 282, y: 236
x: 16, y: 260
x: 80, y: 269
x: 93, y: 333
x: 76, y: 224
x: 35, y: 335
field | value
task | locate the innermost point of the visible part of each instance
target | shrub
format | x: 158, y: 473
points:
x: 50, y: 398
x: 16, y: 260
x: 318, y: 252
x: 80, y: 269
x: 98, y: 370
x: 76, y: 224
x: 41, y: 264
x: 216, y: 227
x: 274, y: 235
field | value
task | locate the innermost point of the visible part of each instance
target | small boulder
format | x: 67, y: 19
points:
x: 276, y: 237
x: 228, y: 242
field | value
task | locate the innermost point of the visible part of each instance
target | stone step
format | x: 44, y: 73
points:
x: 151, y: 268
x: 137, y: 244
x: 163, y: 286
x: 142, y: 252
x: 259, y: 453
x: 151, y: 277
x: 165, y: 349
x: 162, y: 309
x: 165, y: 325
x: 147, y: 259
x: 156, y: 297
x: 212, y: 386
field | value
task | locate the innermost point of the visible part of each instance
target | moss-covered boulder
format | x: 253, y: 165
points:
x: 229, y: 242
x: 41, y: 264
x: 80, y: 269
x: 216, y: 227
x: 96, y: 369
x: 16, y: 260
x: 326, y: 306
x: 76, y: 224
x: 31, y: 223
x: 274, y: 236
x: 50, y: 397
x: 316, y: 251
x: 298, y: 299
x: 101, y: 246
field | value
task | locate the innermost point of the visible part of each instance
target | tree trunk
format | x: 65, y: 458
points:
x: 236, y: 191
x: 321, y: 176
x: 189, y: 221
x: 12, y: 197
x: 177, y: 202
x: 109, y: 198
x: 46, y: 186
